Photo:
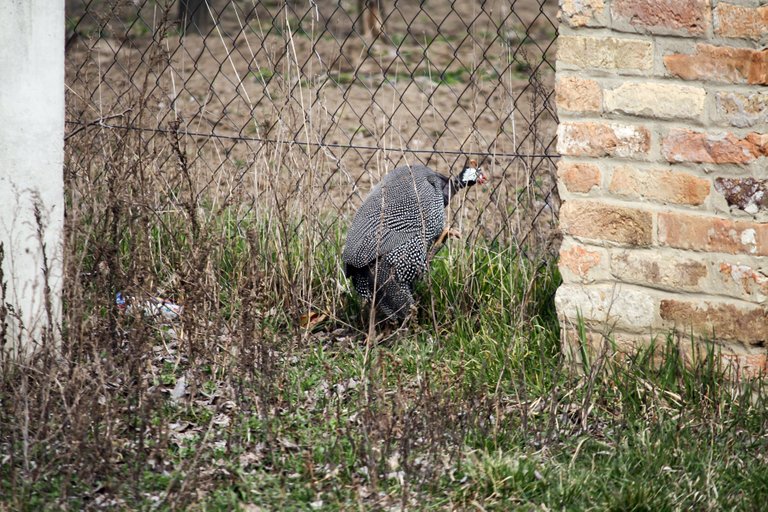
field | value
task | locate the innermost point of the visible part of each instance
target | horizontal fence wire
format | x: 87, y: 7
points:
x: 325, y: 96
x: 303, y: 143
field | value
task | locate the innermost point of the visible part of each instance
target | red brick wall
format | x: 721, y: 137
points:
x: 663, y: 134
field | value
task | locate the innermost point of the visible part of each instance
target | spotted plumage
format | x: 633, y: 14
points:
x: 393, y: 231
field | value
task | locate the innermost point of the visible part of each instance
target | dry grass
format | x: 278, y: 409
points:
x: 269, y: 394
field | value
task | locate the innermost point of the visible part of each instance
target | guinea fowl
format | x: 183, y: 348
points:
x: 395, y: 228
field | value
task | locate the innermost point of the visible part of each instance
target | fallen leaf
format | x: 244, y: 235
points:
x: 222, y: 420
x: 180, y: 389
x: 288, y: 444
x: 311, y: 319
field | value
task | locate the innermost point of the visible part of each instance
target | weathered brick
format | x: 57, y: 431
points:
x: 690, y: 17
x: 617, y: 244
x: 659, y: 100
x: 742, y: 281
x: 742, y: 110
x: 720, y: 63
x: 598, y: 139
x: 720, y: 148
x: 599, y: 221
x: 747, y: 194
x: 744, y: 366
x: 742, y: 22
x: 716, y: 321
x: 596, y: 344
x: 578, y: 177
x: 578, y: 94
x: 737, y: 362
x: 623, y: 307
x: 658, y: 270
x: 605, y: 52
x: 660, y: 185
x: 583, y: 13
x: 712, y: 234
x: 760, y: 140
x: 577, y: 262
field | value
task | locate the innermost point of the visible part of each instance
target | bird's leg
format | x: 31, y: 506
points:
x: 447, y: 232
x: 392, y: 328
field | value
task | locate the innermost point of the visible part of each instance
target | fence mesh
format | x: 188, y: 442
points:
x: 299, y: 107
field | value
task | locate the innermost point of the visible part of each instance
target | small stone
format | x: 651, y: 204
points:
x: 747, y: 194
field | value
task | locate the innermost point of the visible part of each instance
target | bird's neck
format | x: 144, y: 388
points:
x: 452, y: 188
x: 455, y: 184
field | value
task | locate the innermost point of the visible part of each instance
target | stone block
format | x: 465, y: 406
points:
x: 580, y: 263
x: 583, y: 13
x: 603, y: 139
x: 578, y: 94
x: 600, y: 221
x: 664, y: 186
x: 578, y: 177
x: 741, y: 22
x: 742, y: 109
x: 716, y: 321
x: 609, y: 53
x: 677, y: 17
x: 656, y: 100
x: 720, y: 64
x: 747, y: 194
x: 682, y: 145
x: 625, y: 308
x: 712, y: 234
x: 651, y: 268
x: 742, y: 281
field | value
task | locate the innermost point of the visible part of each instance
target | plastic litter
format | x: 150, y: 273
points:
x: 156, y: 307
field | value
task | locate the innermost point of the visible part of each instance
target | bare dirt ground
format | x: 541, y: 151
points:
x: 297, y: 97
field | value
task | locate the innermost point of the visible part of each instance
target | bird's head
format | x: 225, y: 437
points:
x: 471, y: 174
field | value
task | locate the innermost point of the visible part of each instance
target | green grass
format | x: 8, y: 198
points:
x: 448, y: 77
x: 262, y: 75
x: 471, y: 406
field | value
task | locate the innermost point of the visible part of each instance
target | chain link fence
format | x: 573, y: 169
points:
x: 294, y: 109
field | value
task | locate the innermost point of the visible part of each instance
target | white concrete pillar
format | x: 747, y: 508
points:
x: 31, y: 164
